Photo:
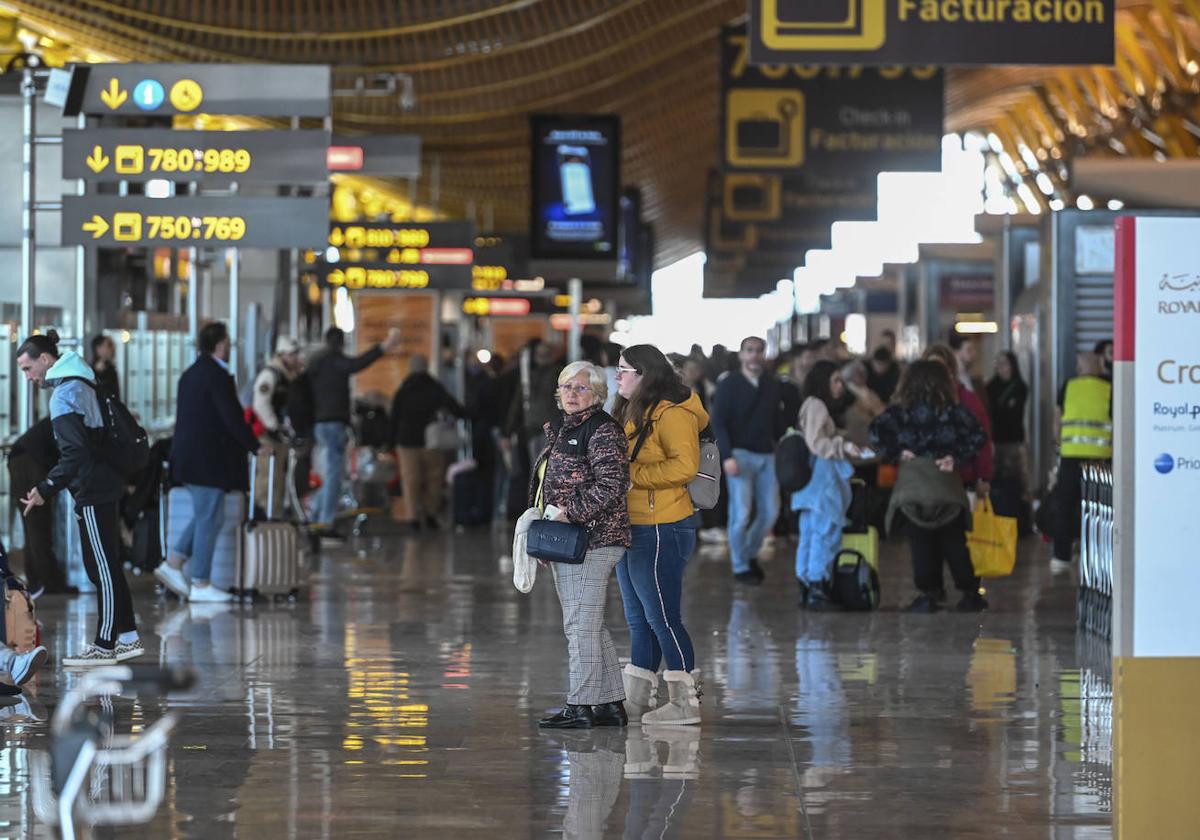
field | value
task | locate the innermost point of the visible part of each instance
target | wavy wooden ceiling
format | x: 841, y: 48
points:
x: 480, y: 66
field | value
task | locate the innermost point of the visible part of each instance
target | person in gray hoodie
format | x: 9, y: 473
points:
x: 96, y: 487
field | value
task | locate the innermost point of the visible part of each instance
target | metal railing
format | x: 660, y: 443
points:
x: 1094, y: 602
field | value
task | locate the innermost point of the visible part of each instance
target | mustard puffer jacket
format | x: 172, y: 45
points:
x: 668, y: 460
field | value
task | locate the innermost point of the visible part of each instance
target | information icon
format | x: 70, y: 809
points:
x: 148, y: 94
x: 186, y: 95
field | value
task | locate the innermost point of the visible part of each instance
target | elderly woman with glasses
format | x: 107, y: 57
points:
x: 584, y: 473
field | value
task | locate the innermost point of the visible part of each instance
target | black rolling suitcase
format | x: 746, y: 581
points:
x: 470, y: 488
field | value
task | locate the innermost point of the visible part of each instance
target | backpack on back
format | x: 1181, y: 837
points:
x: 705, y: 488
x: 793, y: 463
x: 126, y: 445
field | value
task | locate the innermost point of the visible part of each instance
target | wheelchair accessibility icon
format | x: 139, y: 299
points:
x: 817, y: 25
x: 764, y: 127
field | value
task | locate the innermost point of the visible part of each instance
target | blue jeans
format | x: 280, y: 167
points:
x: 199, y: 538
x: 651, y: 580
x: 331, y: 437
x: 752, y: 490
x: 820, y: 540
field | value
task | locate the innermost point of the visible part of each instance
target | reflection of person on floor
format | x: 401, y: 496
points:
x: 597, y: 762
x: 821, y: 703
x: 659, y: 797
x: 752, y: 683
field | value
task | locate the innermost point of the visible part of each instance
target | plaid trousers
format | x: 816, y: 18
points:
x: 583, y: 593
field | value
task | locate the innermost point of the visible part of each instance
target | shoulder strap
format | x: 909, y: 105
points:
x: 641, y: 439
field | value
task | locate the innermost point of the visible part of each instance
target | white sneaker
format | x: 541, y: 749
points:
x: 27, y: 664
x: 91, y: 655
x: 713, y: 536
x: 208, y: 595
x: 172, y: 579
x: 1059, y: 567
x: 130, y: 650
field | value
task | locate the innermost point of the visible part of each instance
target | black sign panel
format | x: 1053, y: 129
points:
x: 267, y: 90
x: 230, y: 221
x: 131, y: 154
x: 575, y: 179
x: 396, y: 255
x: 942, y: 32
x: 828, y: 119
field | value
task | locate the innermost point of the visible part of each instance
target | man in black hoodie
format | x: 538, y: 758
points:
x: 418, y: 402
x: 96, y: 486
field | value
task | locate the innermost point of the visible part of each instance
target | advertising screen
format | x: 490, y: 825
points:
x: 576, y: 162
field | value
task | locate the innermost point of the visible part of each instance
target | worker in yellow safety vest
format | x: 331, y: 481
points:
x: 1085, y: 433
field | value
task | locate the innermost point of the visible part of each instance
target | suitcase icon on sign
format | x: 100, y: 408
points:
x: 765, y: 127
x: 817, y: 25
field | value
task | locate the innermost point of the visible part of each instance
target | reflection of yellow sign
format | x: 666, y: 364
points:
x: 130, y: 160
x: 186, y: 95
x: 840, y: 25
x: 752, y: 198
x: 764, y: 127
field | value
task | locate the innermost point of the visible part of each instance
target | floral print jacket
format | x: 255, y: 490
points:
x: 587, y: 475
x: 927, y: 433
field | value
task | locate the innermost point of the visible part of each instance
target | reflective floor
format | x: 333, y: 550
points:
x: 400, y: 700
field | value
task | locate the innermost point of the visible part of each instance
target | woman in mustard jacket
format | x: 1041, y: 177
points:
x: 662, y: 420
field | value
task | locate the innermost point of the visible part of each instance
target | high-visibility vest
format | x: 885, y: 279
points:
x: 1087, y: 428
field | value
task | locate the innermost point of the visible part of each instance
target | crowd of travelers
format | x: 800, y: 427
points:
x: 611, y: 446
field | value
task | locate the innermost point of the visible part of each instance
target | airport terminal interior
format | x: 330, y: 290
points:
x: 599, y: 418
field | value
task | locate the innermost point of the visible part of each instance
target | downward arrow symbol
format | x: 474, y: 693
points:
x: 97, y: 160
x: 113, y: 96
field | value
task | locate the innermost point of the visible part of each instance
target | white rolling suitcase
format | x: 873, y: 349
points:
x: 271, y: 550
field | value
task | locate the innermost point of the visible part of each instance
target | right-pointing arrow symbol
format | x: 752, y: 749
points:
x: 97, y: 160
x: 97, y: 227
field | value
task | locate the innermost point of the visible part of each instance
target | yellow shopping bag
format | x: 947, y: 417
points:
x: 992, y: 542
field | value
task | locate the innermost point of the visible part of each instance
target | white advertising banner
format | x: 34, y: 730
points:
x: 1165, y: 412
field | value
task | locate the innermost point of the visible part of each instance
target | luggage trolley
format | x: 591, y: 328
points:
x: 90, y: 777
x: 1094, y: 601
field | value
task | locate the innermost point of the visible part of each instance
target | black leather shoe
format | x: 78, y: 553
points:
x: 569, y: 717
x: 972, y: 602
x: 923, y: 604
x: 610, y: 714
x: 748, y: 578
x: 819, y: 601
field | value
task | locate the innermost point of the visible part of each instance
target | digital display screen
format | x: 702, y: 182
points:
x: 575, y: 184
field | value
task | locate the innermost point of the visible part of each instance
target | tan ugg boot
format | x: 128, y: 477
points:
x: 641, y: 692
x: 684, y: 706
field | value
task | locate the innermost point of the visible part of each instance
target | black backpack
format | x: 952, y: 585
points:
x: 126, y: 445
x: 793, y: 463
x: 301, y: 408
x: 855, y: 582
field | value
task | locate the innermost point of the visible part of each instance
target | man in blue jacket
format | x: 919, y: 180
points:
x: 96, y: 487
x: 747, y: 419
x: 208, y: 457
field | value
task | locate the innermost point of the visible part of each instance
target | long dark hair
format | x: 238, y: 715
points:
x: 1012, y: 363
x: 660, y: 381
x: 929, y: 382
x: 816, y: 383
